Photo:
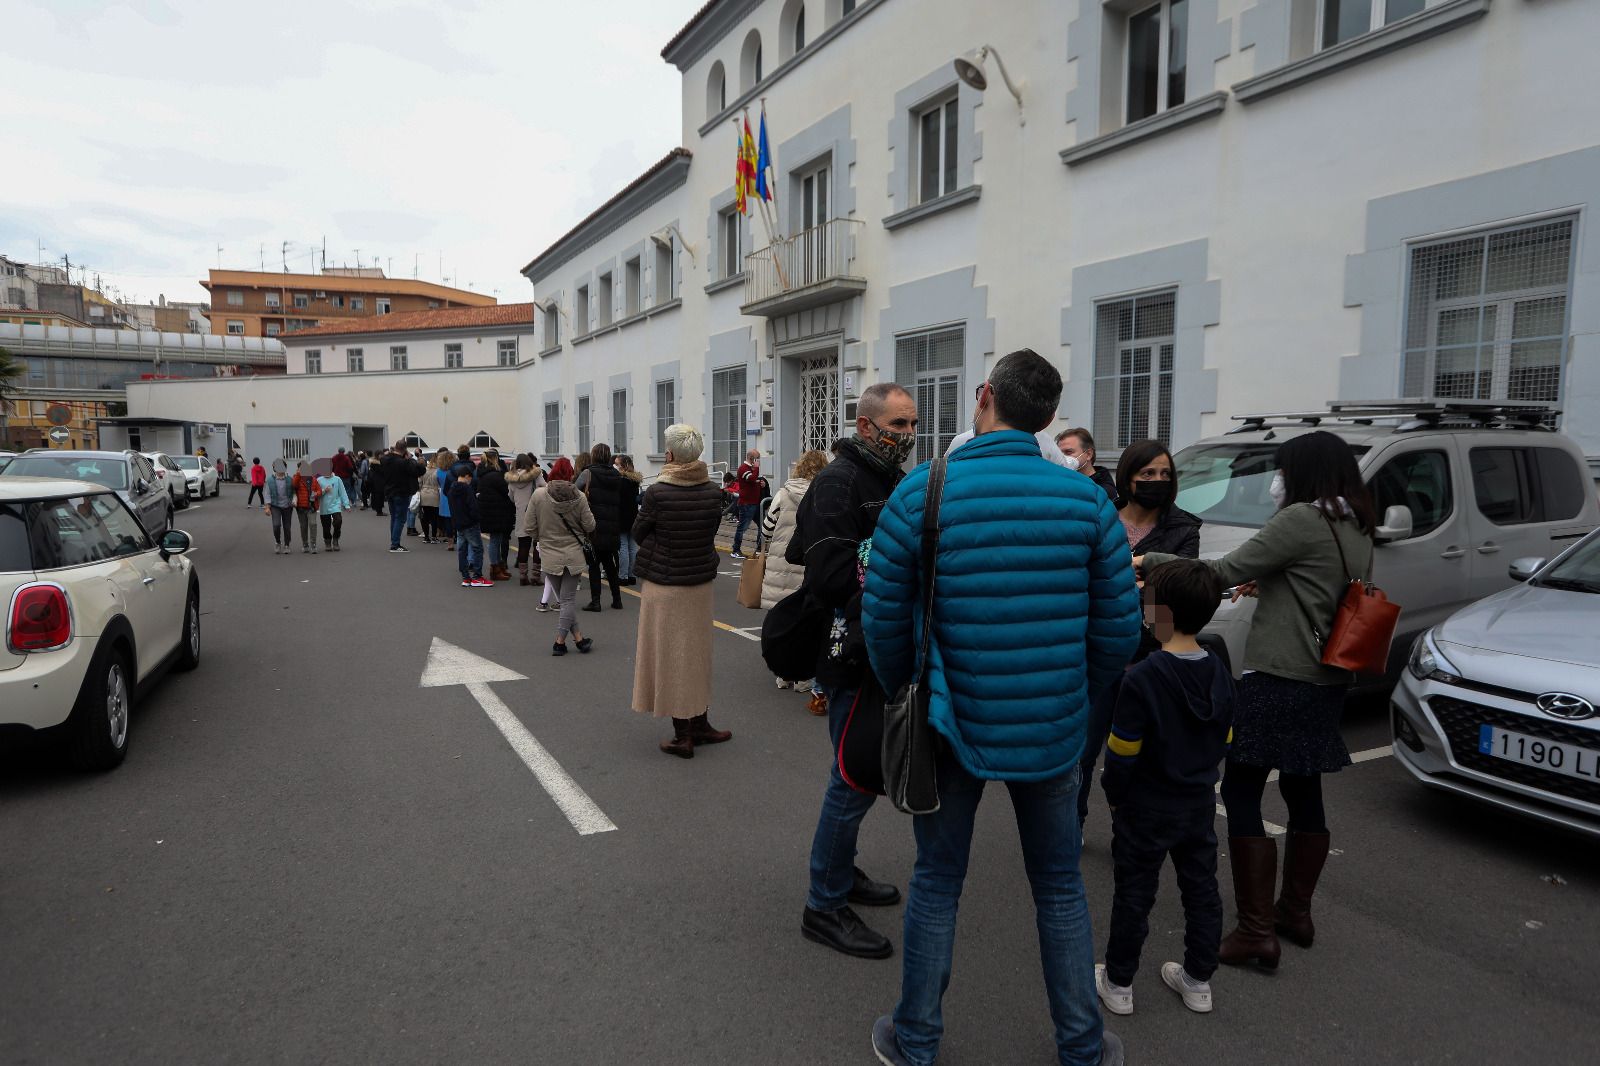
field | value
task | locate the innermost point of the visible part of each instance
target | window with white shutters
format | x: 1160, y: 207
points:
x: 1134, y: 343
x: 619, y: 420
x: 666, y: 411
x: 585, y: 430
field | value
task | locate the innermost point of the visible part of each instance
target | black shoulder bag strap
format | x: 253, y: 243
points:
x: 910, y: 743
x: 930, y: 556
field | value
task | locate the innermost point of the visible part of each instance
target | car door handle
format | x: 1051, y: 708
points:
x: 1488, y: 547
x: 1452, y: 552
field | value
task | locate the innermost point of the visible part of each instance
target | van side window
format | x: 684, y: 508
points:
x: 1520, y: 485
x: 1419, y: 481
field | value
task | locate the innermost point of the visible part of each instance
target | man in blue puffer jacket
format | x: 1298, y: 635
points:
x: 1035, y: 612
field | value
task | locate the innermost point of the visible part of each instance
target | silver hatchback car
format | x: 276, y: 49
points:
x: 1501, y: 701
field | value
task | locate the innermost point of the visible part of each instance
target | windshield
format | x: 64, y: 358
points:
x: 112, y: 473
x: 1578, y: 572
x: 1227, y: 482
x: 188, y: 462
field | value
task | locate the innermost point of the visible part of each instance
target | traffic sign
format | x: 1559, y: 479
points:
x: 58, y: 414
x: 60, y: 435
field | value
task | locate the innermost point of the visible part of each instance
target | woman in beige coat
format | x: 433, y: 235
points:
x: 428, y: 502
x: 523, y: 480
x: 557, y: 514
x: 782, y: 577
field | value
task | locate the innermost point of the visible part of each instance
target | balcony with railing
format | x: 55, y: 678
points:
x: 812, y: 268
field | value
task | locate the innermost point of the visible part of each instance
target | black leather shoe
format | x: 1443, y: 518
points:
x: 869, y: 893
x: 842, y: 931
x: 595, y: 606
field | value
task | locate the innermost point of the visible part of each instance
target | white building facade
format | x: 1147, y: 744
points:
x: 1197, y: 209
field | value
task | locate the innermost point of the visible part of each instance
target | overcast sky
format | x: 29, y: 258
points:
x: 138, y: 136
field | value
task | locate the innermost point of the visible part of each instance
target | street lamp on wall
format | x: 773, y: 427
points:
x: 969, y: 68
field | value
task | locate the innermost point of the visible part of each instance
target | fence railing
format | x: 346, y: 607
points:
x: 818, y: 254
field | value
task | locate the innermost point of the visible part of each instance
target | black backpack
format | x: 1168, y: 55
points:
x: 793, y: 634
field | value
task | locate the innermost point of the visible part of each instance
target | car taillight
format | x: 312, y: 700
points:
x: 40, y: 619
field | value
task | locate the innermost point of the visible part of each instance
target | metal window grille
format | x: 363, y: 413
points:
x: 453, y: 357
x: 296, y: 447
x: 931, y: 366
x: 552, y: 427
x: 585, y: 430
x: 666, y: 412
x: 507, y: 353
x: 819, y: 402
x: 1487, y: 314
x: 619, y: 419
x: 727, y: 415
x: 1134, y: 345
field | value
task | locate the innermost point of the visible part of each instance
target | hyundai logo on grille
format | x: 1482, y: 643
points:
x: 1565, y: 705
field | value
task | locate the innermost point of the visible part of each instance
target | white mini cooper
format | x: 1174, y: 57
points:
x: 95, y: 611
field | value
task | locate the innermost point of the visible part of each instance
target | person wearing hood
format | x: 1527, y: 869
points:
x: 1172, y: 721
x: 605, y: 488
x: 782, y: 577
x: 558, y: 519
x: 677, y: 567
x: 278, y: 504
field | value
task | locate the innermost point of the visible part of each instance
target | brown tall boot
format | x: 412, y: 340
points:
x: 681, y: 744
x: 1303, y: 858
x: 701, y: 732
x: 1255, y: 875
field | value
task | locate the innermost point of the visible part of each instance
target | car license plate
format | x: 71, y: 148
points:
x: 1552, y: 755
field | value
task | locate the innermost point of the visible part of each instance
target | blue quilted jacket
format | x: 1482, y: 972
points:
x: 1035, y: 610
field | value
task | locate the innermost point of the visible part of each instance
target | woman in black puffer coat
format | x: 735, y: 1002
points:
x: 605, y: 490
x: 497, y: 514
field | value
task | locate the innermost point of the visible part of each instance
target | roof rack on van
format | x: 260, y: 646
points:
x: 1413, y: 415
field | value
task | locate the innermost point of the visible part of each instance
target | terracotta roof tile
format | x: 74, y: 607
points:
x: 442, y: 318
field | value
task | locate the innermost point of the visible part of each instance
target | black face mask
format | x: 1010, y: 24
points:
x: 1152, y: 495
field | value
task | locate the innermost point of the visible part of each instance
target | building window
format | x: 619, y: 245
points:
x: 630, y: 287
x: 337, y: 301
x: 313, y: 361
x: 662, y: 274
x: 1487, y: 314
x: 750, y: 61
x: 135, y: 439
x: 433, y: 305
x: 1158, y: 47
x: 727, y: 416
x: 235, y: 326
x: 800, y: 29
x: 453, y: 359
x: 1343, y: 20
x: 398, y: 359
x: 552, y: 325
x: 1134, y: 344
x: 355, y: 360
x: 604, y: 295
x: 931, y: 365
x: 506, y: 353
x: 273, y: 300
x: 382, y: 305
x: 295, y: 447
x: 730, y: 231
x: 716, y: 91
x: 619, y: 420
x: 585, y: 429
x: 580, y: 307
x: 358, y: 303
x: 666, y: 411
x: 301, y: 301
x: 552, y: 428
x: 235, y: 299
x: 936, y: 151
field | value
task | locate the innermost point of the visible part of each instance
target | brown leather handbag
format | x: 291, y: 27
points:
x: 1363, y: 625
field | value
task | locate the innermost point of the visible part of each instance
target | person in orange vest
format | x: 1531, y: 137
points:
x: 307, y: 498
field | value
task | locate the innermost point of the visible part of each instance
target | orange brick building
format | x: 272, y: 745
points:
x: 254, y: 303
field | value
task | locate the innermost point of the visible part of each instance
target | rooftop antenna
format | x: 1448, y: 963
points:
x: 219, y: 257
x: 284, y: 252
x: 262, y: 250
x: 358, y: 259
x: 416, y: 257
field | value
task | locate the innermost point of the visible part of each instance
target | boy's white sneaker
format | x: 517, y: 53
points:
x: 1117, y: 999
x: 1196, y: 994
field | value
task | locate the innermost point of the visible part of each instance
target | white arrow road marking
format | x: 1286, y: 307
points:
x: 450, y: 665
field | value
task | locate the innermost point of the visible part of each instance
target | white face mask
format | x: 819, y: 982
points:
x: 1276, y: 490
x: 1069, y: 462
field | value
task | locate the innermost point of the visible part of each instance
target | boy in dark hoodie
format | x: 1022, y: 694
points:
x: 469, y: 532
x: 1171, y: 724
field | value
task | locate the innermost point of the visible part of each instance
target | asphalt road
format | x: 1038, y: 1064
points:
x: 307, y: 857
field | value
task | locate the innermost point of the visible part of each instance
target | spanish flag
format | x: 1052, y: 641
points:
x: 744, y: 184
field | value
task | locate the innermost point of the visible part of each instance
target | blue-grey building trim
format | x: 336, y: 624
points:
x: 602, y: 268
x: 580, y: 328
x: 675, y: 282
x: 724, y: 283
x: 1430, y: 22
x: 969, y: 142
x: 950, y: 299
x: 1183, y: 267
x: 1098, y: 112
x: 1375, y: 279
x: 669, y: 371
x: 720, y: 203
x: 828, y: 138
x: 649, y: 188
x: 937, y: 206
x: 1170, y: 119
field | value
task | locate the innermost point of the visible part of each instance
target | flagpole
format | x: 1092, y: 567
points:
x: 767, y: 212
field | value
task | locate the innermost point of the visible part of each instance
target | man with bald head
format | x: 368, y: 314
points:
x: 836, y: 517
x: 747, y: 482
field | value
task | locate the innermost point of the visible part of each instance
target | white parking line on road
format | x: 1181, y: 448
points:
x: 450, y: 665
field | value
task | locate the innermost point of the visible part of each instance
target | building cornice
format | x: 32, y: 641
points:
x: 648, y: 188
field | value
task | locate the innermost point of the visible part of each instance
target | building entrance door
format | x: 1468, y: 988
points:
x: 819, y: 401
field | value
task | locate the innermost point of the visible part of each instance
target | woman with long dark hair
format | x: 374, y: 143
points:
x: 1287, y: 717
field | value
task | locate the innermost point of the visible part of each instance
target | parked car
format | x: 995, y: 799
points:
x: 1501, y: 702
x: 200, y: 474
x: 6, y: 457
x: 128, y: 473
x: 170, y: 474
x: 1460, y: 487
x: 96, y: 609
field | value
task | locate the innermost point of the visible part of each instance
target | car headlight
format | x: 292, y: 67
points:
x: 1428, y: 663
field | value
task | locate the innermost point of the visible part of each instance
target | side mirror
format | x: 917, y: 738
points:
x: 1397, y: 524
x: 175, y: 542
x: 1524, y: 568
x: 141, y: 486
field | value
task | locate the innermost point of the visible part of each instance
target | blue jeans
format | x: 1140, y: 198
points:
x: 469, y: 551
x: 833, y: 848
x: 398, y: 506
x: 747, y: 514
x: 626, y: 550
x: 1047, y: 823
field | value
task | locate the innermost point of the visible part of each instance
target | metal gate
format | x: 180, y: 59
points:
x: 819, y: 402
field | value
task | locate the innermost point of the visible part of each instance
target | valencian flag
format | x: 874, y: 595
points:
x: 763, y: 160
x: 745, y: 175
